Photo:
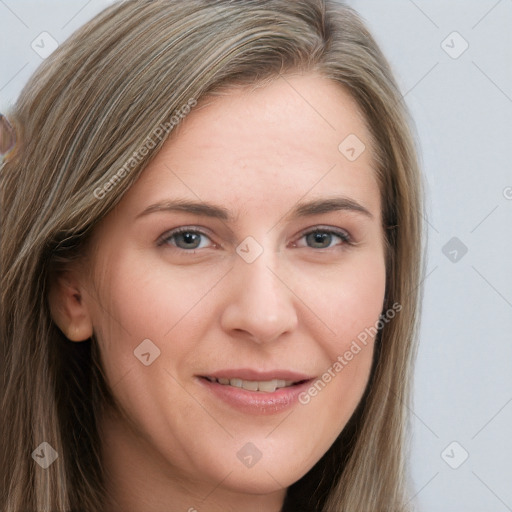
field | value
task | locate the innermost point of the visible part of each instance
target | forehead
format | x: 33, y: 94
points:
x: 266, y: 147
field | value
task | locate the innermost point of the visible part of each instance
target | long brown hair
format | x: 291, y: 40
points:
x: 86, y: 111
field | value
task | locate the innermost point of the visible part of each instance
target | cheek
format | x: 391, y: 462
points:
x: 144, y: 297
x: 133, y: 305
x: 348, y: 301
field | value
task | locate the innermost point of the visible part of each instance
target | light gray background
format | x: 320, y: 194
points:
x: 463, y: 109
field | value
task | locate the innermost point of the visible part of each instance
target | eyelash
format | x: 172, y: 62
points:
x: 343, y: 235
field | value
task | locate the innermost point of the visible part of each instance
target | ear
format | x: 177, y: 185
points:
x: 68, y: 307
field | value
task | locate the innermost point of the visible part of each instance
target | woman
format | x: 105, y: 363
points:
x: 211, y: 264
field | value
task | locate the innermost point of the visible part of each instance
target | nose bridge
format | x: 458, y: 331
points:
x: 262, y: 283
x: 259, y: 303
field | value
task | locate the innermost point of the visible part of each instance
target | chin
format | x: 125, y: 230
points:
x: 258, y: 482
x: 265, y: 477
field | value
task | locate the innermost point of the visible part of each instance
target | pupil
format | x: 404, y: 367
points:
x: 189, y: 238
x: 321, y: 238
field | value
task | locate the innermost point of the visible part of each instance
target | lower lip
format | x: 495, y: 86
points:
x: 257, y: 402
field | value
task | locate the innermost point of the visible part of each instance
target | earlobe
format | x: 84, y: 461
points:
x: 68, y: 308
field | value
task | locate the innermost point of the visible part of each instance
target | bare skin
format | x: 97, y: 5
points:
x: 297, y: 307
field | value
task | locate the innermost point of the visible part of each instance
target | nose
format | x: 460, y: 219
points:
x: 260, y: 305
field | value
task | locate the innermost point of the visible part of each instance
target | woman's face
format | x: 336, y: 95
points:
x: 246, y: 294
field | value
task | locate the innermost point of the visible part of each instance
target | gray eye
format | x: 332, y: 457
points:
x: 190, y: 240
x: 319, y: 240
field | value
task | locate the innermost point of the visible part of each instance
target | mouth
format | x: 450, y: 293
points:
x: 264, y: 386
x: 255, y: 392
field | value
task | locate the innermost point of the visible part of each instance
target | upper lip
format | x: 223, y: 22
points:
x: 256, y: 375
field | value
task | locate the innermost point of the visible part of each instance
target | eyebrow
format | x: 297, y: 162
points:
x: 205, y: 209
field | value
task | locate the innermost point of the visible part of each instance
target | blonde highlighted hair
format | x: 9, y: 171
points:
x: 89, y: 107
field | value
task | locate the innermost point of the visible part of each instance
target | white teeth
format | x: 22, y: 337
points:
x: 266, y: 386
x: 237, y: 383
x: 250, y: 385
x: 269, y: 386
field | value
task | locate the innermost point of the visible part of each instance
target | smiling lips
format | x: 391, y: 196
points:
x: 255, y: 392
x: 266, y: 386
